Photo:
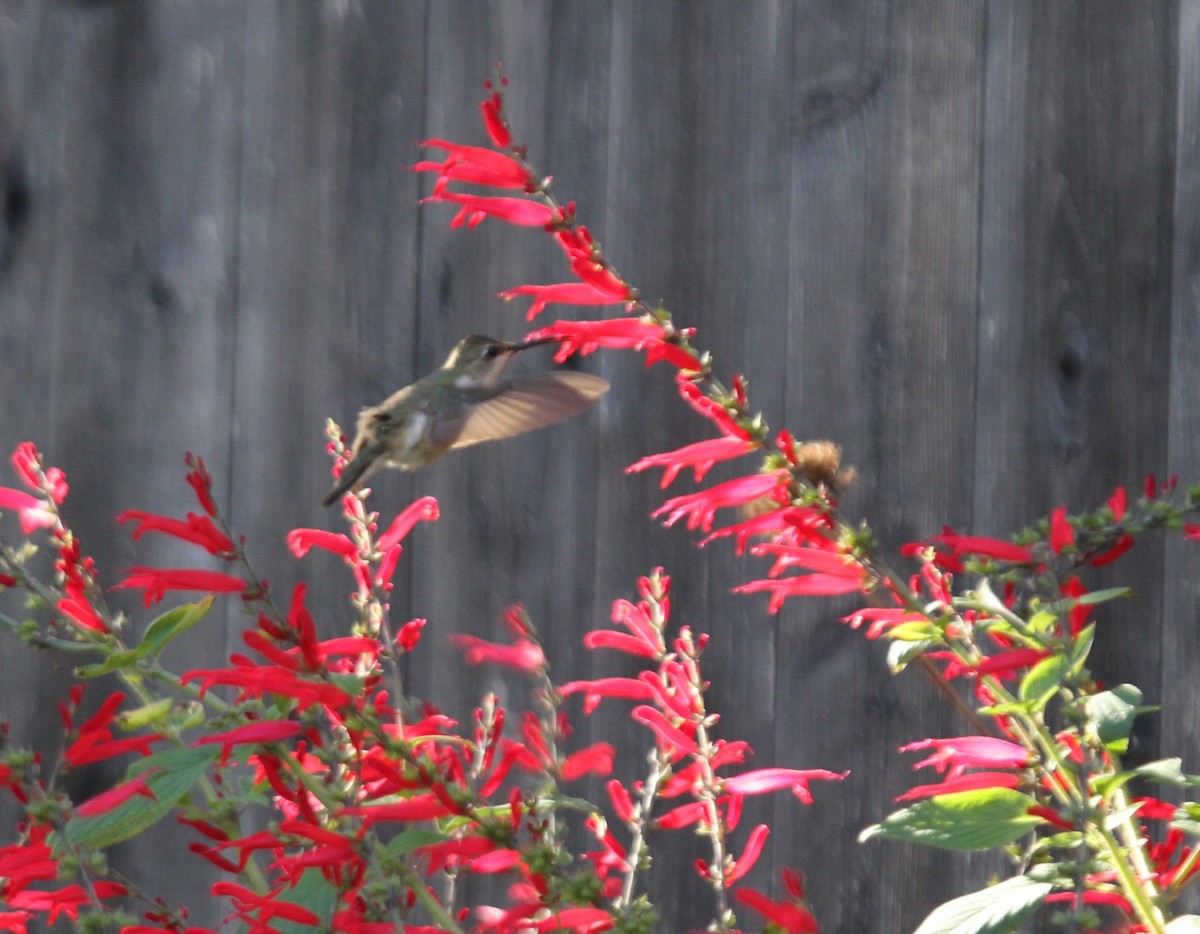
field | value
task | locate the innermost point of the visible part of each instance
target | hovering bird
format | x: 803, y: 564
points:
x: 464, y: 402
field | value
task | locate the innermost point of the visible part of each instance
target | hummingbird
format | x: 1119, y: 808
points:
x: 464, y: 402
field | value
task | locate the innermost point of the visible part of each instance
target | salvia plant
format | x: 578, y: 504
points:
x: 375, y: 809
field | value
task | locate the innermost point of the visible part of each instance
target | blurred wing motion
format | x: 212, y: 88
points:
x: 527, y: 404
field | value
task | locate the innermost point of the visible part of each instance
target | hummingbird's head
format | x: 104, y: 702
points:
x: 480, y: 360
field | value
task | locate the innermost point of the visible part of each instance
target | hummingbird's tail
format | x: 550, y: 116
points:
x: 365, y: 463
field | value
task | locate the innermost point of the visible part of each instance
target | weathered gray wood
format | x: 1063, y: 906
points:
x: 955, y: 238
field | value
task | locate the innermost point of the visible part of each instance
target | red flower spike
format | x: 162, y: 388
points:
x: 1122, y: 545
x: 31, y: 511
x: 995, y: 548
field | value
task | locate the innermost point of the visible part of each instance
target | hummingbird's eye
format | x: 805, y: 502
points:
x: 492, y: 351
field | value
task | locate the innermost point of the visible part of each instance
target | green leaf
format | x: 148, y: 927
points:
x: 115, y: 662
x: 1112, y: 712
x: 1043, y: 680
x: 409, y: 840
x: 966, y: 820
x: 1185, y: 924
x: 1102, y: 596
x: 176, y: 771
x: 315, y: 893
x: 915, y: 631
x: 1042, y: 622
x: 899, y: 654
x: 141, y: 717
x: 999, y: 909
x: 171, y: 624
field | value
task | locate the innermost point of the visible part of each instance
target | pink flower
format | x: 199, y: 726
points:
x: 27, y: 462
x: 522, y: 655
x: 700, y: 508
x: 962, y: 752
x: 764, y: 781
x: 157, y: 581
x: 701, y: 457
x: 31, y: 511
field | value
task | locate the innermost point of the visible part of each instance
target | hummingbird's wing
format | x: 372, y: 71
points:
x: 528, y: 403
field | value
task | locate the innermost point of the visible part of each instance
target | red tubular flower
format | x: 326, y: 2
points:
x: 1062, y: 534
x: 30, y: 510
x: 685, y: 815
x: 802, y: 585
x: 585, y: 337
x: 622, y: 804
x: 522, y: 655
x: 790, y: 916
x: 754, y: 848
x: 424, y: 509
x: 700, y: 508
x: 596, y: 759
x: 473, y: 164
x: 491, y: 109
x: 764, y: 781
x: 701, y: 457
x: 995, y: 548
x: 300, y: 541
x: 670, y: 737
x: 1122, y: 545
x: 694, y: 396
x: 27, y: 462
x: 475, y: 208
x: 970, y: 781
x: 788, y: 525
x: 199, y: 480
x: 598, y: 688
x: 562, y: 293
x: 957, y: 753
x: 157, y: 581
x: 106, y: 801
x: 199, y: 530
x: 78, y: 608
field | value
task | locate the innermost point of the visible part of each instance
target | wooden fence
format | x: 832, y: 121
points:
x: 960, y: 238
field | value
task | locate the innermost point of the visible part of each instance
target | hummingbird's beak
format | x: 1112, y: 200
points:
x: 538, y: 342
